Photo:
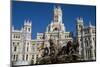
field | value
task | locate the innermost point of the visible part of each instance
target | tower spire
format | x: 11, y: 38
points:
x: 57, y: 14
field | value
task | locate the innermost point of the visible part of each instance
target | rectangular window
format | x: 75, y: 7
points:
x: 27, y: 43
x: 16, y: 36
x: 15, y: 48
x: 13, y: 36
x: 16, y: 57
x: 27, y: 48
x: 13, y: 43
x: 17, y: 43
x: 26, y: 57
x: 32, y: 56
x: 29, y: 29
x: 23, y: 57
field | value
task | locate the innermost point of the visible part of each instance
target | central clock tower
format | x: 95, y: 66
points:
x: 57, y: 14
x: 56, y: 24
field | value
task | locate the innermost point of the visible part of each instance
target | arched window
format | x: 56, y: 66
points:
x: 14, y: 57
x: 56, y: 29
x: 29, y: 29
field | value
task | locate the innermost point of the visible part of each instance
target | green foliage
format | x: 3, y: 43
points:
x: 33, y: 42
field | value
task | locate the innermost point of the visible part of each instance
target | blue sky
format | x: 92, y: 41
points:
x: 41, y: 14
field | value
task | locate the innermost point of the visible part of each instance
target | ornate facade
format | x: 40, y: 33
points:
x: 56, y: 32
x: 22, y: 49
x: 86, y: 36
x: 26, y: 50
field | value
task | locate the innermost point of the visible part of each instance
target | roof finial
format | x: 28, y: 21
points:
x: 25, y: 21
x: 58, y: 6
x: 12, y: 27
x: 90, y: 24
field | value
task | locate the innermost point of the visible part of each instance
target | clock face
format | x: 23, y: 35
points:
x: 56, y: 27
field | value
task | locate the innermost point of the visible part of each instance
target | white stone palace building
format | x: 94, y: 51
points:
x: 55, y: 31
x: 25, y: 50
x: 22, y: 49
x: 86, y: 36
